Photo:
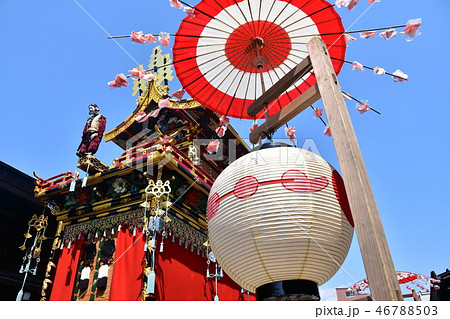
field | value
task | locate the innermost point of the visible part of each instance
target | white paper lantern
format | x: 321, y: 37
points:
x: 279, y: 214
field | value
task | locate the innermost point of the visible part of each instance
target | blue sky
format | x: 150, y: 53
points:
x: 56, y: 61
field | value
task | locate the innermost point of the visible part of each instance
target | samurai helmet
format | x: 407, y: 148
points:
x: 93, y: 109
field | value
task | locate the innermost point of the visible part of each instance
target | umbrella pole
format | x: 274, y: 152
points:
x: 259, y: 61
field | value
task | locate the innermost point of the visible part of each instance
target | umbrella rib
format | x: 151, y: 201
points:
x: 279, y: 13
x: 298, y: 50
x: 215, y: 18
x: 198, y: 78
x: 213, y: 28
x: 198, y: 65
x: 216, y: 88
x: 206, y: 26
x: 270, y: 34
x: 287, y: 3
x: 299, y: 43
x: 245, y: 95
x: 198, y: 46
x: 234, y: 49
x: 252, y: 19
x: 242, y: 13
x: 210, y: 16
x: 224, y: 9
x: 293, y: 12
x: 235, y: 92
x: 310, y: 25
x: 259, y: 15
x: 309, y: 15
x: 272, y: 52
x: 200, y: 36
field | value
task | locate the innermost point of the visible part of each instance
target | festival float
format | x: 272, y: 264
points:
x: 136, y: 229
x: 188, y: 211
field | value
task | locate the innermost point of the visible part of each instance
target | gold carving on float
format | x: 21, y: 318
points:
x: 101, y: 207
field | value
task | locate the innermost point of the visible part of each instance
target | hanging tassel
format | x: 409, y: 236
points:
x: 161, y: 247
x: 120, y: 226
x: 145, y: 246
x: 216, y: 298
x: 134, y: 232
x: 151, y: 282
x: 112, y: 231
x: 84, y: 183
x: 104, y: 233
x: 72, y: 185
x: 70, y: 245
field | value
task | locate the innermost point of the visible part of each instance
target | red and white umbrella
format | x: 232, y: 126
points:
x: 231, y: 51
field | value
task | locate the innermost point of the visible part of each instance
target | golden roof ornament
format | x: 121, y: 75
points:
x: 162, y: 65
x: 140, y: 85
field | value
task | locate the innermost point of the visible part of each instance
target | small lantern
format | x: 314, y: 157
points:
x: 279, y: 222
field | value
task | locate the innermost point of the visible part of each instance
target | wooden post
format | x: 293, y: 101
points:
x: 374, y: 248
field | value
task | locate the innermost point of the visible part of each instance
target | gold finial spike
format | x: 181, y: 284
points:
x: 139, y: 84
x: 162, y: 65
x: 166, y: 71
x: 156, y: 61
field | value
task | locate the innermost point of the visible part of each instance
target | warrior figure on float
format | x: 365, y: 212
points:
x: 93, y: 132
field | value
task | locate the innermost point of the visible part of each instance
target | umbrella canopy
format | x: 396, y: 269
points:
x: 232, y: 51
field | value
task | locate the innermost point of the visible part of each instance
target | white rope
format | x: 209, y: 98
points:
x: 92, y: 18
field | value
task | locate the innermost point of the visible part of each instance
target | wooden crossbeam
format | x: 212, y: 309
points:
x: 278, y: 88
x: 286, y: 114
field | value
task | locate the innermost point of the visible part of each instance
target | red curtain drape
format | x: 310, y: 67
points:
x: 181, y: 276
x: 127, y: 277
x: 66, y: 271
